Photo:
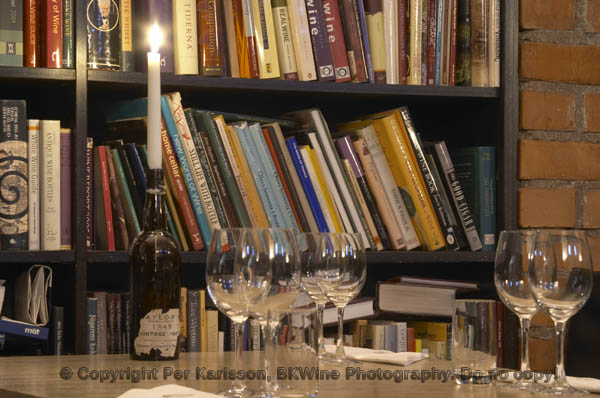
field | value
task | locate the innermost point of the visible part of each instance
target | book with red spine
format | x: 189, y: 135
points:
x: 335, y: 31
x: 31, y: 34
x: 89, y: 193
x: 249, y: 32
x: 354, y: 46
x: 51, y: 34
x: 402, y: 41
x: 431, y: 40
x: 110, y: 232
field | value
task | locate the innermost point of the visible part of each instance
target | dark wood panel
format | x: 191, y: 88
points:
x: 47, y: 75
x: 33, y: 257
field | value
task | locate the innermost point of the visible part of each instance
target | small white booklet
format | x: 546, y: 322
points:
x: 31, y: 295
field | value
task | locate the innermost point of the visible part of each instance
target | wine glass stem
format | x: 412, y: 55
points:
x: 525, y: 322
x: 340, y: 340
x: 321, y: 341
x: 268, y: 341
x: 561, y: 378
x: 238, y: 385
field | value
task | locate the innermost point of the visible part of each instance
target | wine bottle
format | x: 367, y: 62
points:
x: 154, y: 286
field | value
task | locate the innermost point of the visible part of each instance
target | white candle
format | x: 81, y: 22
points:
x: 154, y: 117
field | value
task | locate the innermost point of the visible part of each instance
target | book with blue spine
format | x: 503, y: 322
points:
x: 362, y: 17
x: 273, y: 176
x: 438, y: 41
x: 309, y: 191
x: 92, y: 326
x: 265, y: 191
x: 17, y: 328
x: 195, y: 199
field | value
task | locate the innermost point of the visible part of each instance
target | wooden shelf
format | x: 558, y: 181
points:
x: 12, y: 73
x: 203, y: 83
x: 41, y: 257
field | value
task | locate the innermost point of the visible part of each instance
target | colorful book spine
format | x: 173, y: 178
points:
x: 132, y: 223
x: 250, y: 40
x: 300, y: 32
x: 51, y: 33
x: 233, y: 62
x: 210, y: 40
x: 31, y: 33
x: 116, y: 203
x: 11, y: 33
x: 320, y: 40
x: 185, y: 37
x: 403, y: 42
x: 424, y: 32
x: 438, y: 41
x: 68, y: 60
x: 431, y: 40
x: 50, y: 185
x: 33, y: 156
x: 174, y: 223
x: 352, y: 38
x: 364, y: 37
x: 240, y: 39
x: 65, y: 188
x: 127, y: 60
x: 103, y: 25
x: 268, y: 57
x: 89, y: 193
x: 320, y: 189
x: 463, y: 43
x: 382, y: 52
x: 335, y: 31
x: 285, y: 46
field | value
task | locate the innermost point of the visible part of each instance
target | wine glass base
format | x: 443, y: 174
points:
x: 237, y: 393
x: 518, y: 386
x: 561, y: 390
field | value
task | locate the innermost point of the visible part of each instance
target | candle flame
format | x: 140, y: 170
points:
x: 155, y: 38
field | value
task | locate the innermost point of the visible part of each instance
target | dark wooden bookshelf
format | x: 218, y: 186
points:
x: 459, y: 115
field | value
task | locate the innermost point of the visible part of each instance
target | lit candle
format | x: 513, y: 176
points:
x: 154, y: 120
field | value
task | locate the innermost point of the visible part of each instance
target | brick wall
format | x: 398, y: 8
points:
x: 559, y: 137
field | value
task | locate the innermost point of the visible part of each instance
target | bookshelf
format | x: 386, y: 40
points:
x: 473, y: 115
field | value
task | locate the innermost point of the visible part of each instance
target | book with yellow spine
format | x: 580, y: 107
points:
x: 310, y: 170
x: 318, y: 167
x: 266, y: 45
x: 175, y: 217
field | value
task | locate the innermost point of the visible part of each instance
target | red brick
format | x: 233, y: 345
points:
x: 547, y: 111
x: 547, y: 14
x: 592, y: 112
x: 562, y: 63
x: 593, y: 16
x: 552, y: 160
x: 547, y: 207
x: 591, y: 209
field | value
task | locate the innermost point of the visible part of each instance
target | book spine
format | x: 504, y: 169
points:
x: 51, y: 35
x: 133, y: 226
x: 126, y: 322
x: 179, y: 150
x: 463, y: 43
x: 108, y: 212
x: 452, y: 67
x: 118, y: 323
x: 455, y: 189
x: 319, y: 186
x: 161, y: 12
x: 233, y: 62
x: 65, y: 188
x: 89, y: 193
x: 268, y: 57
x: 180, y: 193
x: 285, y: 46
x: 433, y: 190
x: 11, y: 33
x: 354, y: 48
x: 212, y: 328
x: 104, y: 45
x: 381, y: 36
x: 31, y: 33
x: 174, y: 224
x: 403, y: 42
x: 58, y: 327
x: 50, y: 185
x: 33, y: 148
x: 495, y: 43
x: 300, y: 32
x: 416, y: 12
x: 131, y: 184
x: 202, y: 318
x: 111, y: 319
x: 92, y: 333
x: 431, y: 40
x: 304, y: 178
x: 320, y: 40
x: 250, y: 38
x: 137, y: 170
x: 68, y: 36
x: 99, y: 235
x: 119, y: 223
x: 479, y: 43
x: 240, y: 37
x: 335, y: 32
x: 487, y: 198
x: 424, y: 34
x: 127, y: 60
x: 210, y: 45
x: 439, y: 29
x: 364, y: 38
x: 101, y: 332
x: 185, y: 37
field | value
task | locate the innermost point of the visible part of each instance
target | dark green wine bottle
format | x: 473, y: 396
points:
x: 154, y: 286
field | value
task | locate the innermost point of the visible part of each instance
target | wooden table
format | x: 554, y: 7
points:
x: 45, y: 377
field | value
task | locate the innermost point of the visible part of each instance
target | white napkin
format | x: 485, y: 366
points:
x: 167, y: 390
x: 580, y: 383
x: 383, y: 356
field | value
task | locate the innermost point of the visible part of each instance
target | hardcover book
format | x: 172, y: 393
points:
x: 31, y: 33
x: 233, y: 62
x: 14, y: 209
x: 65, y: 188
x: 185, y: 37
x: 210, y: 45
x: 68, y: 60
x: 147, y: 13
x: 33, y: 156
x: 320, y: 40
x: 51, y: 34
x: 285, y: 46
x: 127, y: 46
x: 266, y: 46
x: 383, y: 46
x: 11, y: 33
x: 480, y: 43
x: 352, y: 38
x: 250, y: 38
x: 103, y: 26
x: 335, y: 30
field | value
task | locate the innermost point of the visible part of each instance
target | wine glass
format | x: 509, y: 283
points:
x: 561, y: 282
x: 342, y: 277
x: 511, y: 277
x: 221, y: 257
x: 269, y: 279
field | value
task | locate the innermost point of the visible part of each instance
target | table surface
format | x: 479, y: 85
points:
x: 72, y: 376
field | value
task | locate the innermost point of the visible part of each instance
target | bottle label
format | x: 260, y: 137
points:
x: 158, y: 331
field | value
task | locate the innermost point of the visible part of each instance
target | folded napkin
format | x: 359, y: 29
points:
x: 383, y: 356
x: 167, y: 390
x: 580, y: 383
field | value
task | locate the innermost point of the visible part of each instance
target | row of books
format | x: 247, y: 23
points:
x: 38, y: 33
x: 36, y: 180
x: 418, y: 42
x: 372, y: 176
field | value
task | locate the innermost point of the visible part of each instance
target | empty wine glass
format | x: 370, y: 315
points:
x: 511, y: 277
x: 269, y: 279
x: 561, y: 282
x: 221, y: 271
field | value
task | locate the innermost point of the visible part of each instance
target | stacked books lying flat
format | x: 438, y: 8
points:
x: 35, y: 169
x: 373, y: 176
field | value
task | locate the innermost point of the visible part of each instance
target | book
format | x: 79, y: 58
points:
x: 415, y: 10
x: 106, y: 199
x: 411, y: 299
x: 146, y: 14
x: 68, y: 33
x: 233, y: 64
x: 101, y: 321
x: 352, y: 38
x: 50, y: 185
x: 116, y: 203
x: 127, y: 60
x: 250, y: 38
x: 364, y: 37
x: 320, y: 40
x: 131, y: 218
x: 454, y: 188
x: 212, y: 331
x: 185, y: 37
x: 439, y: 36
x: 240, y: 39
x: 130, y: 180
x: 432, y: 19
x: 91, y: 326
x: 325, y: 203
x: 494, y: 37
x: 359, y: 308
x: 14, y: 221
x: 31, y: 33
x: 460, y: 285
x: 11, y: 33
x: 463, y: 43
x: 266, y: 46
x: 57, y: 330
x: 403, y: 41
x: 210, y: 41
x: 65, y: 188
x: 99, y: 234
x: 335, y: 31
x: 174, y: 221
x: 103, y: 26
x: 383, y: 46
x: 299, y: 29
x: 18, y: 328
x: 480, y: 41
x: 33, y: 186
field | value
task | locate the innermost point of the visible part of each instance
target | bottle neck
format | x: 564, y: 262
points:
x: 155, y: 214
